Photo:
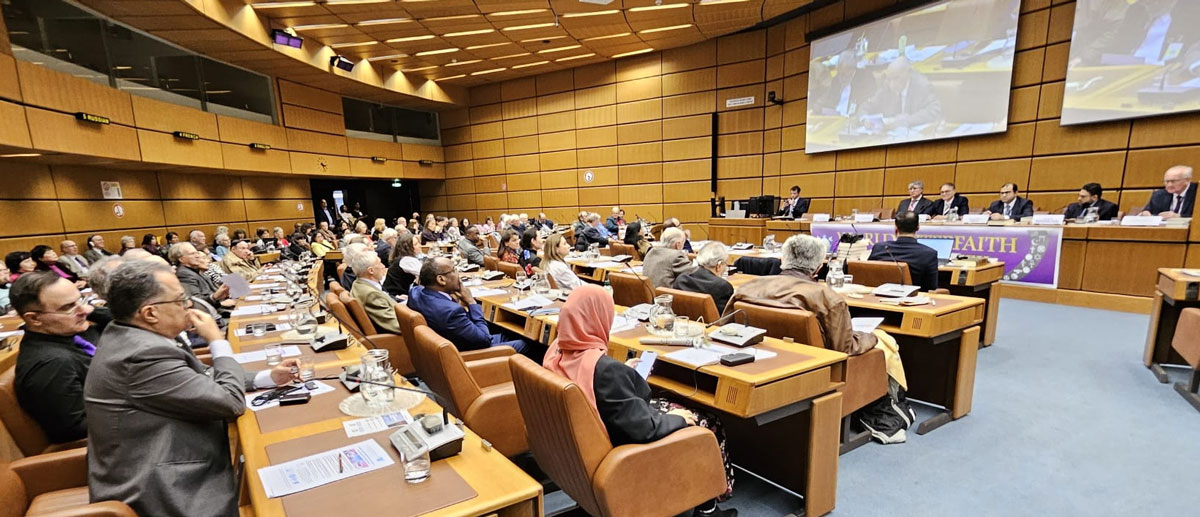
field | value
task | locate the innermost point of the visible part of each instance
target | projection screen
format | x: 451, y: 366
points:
x: 1132, y: 58
x: 939, y: 71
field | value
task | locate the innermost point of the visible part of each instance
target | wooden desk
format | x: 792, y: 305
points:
x: 737, y: 230
x: 267, y: 258
x: 1174, y: 292
x: 782, y: 416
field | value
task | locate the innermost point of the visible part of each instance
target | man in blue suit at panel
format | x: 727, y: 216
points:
x: 921, y: 259
x: 1177, y: 197
x: 452, y: 312
x: 1010, y: 205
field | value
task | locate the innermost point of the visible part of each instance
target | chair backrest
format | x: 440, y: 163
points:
x: 334, y: 302
x: 509, y: 269
x: 493, y: 242
x: 409, y: 320
x: 441, y: 367
x: 569, y: 235
x: 341, y: 271
x: 620, y: 248
x: 656, y: 231
x: 692, y: 305
x: 491, y: 263
x: 629, y: 289
x: 365, y: 325
x: 878, y: 272
x: 565, y: 433
x: 884, y: 213
x: 25, y: 431
x: 336, y: 287
x: 798, y: 324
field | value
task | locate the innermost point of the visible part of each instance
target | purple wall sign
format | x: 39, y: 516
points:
x: 1030, y: 253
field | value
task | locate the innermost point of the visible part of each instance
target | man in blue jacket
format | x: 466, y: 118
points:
x: 452, y: 312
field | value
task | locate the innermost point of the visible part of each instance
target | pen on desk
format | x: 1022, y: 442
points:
x: 340, y: 468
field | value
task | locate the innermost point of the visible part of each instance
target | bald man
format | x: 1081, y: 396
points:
x: 1177, y: 197
x: 70, y: 259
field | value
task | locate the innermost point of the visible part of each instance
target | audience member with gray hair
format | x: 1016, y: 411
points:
x: 100, y: 271
x: 713, y: 262
x: 667, y: 261
x: 368, y: 287
x: 592, y: 233
x: 157, y: 416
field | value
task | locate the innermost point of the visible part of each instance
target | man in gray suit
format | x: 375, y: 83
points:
x: 157, y: 416
x: 188, y: 268
x: 665, y: 262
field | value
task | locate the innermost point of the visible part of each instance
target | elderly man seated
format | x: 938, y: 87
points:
x: 665, y: 262
x: 713, y: 261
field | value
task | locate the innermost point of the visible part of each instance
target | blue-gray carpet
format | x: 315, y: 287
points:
x: 1066, y: 421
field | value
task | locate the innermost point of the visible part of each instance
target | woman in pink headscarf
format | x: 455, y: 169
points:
x: 615, y: 390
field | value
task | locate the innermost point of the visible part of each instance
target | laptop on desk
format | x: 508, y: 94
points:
x: 943, y: 248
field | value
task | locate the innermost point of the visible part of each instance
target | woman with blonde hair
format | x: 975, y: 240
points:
x: 380, y: 226
x: 554, y: 254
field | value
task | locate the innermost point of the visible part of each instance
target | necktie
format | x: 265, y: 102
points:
x: 82, y: 264
x: 87, y: 347
x: 912, y: 206
x: 946, y: 210
x: 1178, y: 203
x: 1008, y: 210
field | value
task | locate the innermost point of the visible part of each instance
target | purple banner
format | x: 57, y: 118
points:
x: 1030, y: 253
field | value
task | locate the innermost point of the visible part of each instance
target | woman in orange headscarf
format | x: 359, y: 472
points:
x: 615, y: 390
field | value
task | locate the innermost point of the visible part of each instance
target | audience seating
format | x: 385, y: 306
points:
x: 629, y: 289
x: 620, y: 248
x: 25, y: 431
x: 1187, y: 343
x: 351, y: 312
x: 882, y: 214
x: 341, y: 271
x: 410, y: 320
x: 490, y: 262
x: 865, y: 376
x: 336, y: 287
x: 692, y: 305
x: 52, y: 485
x: 572, y: 447
x: 874, y: 273
x: 479, y: 392
x: 509, y: 269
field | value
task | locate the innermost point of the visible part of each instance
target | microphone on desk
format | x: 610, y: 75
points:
x: 645, y: 285
x: 727, y: 317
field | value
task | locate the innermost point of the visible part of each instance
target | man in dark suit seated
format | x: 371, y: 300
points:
x: 921, y: 259
x: 949, y: 202
x: 907, y: 99
x: 452, y: 312
x: 1177, y: 197
x: 1089, y: 197
x: 590, y: 234
x: 794, y: 206
x: 1010, y: 205
x: 916, y: 202
x: 713, y: 261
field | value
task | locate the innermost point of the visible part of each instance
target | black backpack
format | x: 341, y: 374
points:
x: 887, y: 418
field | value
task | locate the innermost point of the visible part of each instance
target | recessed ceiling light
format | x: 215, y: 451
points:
x: 515, y: 13
x: 664, y: 29
x: 431, y: 67
x: 460, y: 63
x: 20, y: 155
x: 656, y: 7
x: 468, y: 33
x: 531, y: 40
x: 621, y: 35
x: 494, y: 70
x: 525, y: 27
x: 459, y: 76
x: 558, y: 49
x: 411, y: 38
x: 278, y: 5
x: 390, y: 56
x: 581, y: 56
x: 489, y: 45
x: 359, y: 44
x: 590, y: 13
x: 526, y: 65
x: 510, y: 56
x: 449, y: 18
x: 634, y: 53
x: 352, y: 2
x: 319, y: 26
x: 439, y: 51
x: 383, y: 21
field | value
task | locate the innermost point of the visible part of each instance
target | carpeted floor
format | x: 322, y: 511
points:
x: 1066, y: 421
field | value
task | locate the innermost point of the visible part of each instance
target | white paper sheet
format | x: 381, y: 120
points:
x: 238, y: 287
x: 482, y: 292
x: 375, y: 424
x: 621, y: 324
x: 694, y: 357
x: 865, y: 324
x: 527, y: 302
x: 261, y: 355
x: 322, y: 389
x: 264, y: 286
x: 253, y: 310
x: 322, y: 468
x: 281, y: 327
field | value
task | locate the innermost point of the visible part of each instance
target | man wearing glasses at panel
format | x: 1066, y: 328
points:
x: 949, y: 203
x: 1010, y: 205
x: 1177, y: 197
x: 157, y: 434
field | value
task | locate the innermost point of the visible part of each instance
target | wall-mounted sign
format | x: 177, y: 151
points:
x: 118, y: 210
x: 185, y: 135
x: 426, y: 163
x: 260, y: 147
x: 739, y: 101
x: 379, y: 159
x: 111, y: 189
x: 95, y: 119
x: 588, y: 176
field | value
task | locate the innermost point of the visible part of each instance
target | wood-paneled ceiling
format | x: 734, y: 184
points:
x: 468, y: 42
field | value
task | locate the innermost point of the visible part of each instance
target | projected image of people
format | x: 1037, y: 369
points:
x: 940, y: 71
x: 1132, y: 58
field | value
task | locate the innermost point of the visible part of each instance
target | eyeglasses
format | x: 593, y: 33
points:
x: 66, y: 310
x: 447, y: 272
x: 183, y: 301
x: 947, y: 191
x: 1176, y: 180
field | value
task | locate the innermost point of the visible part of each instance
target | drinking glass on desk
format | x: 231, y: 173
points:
x: 274, y: 353
x: 306, y: 323
x: 416, y: 465
x: 847, y: 280
x: 308, y: 367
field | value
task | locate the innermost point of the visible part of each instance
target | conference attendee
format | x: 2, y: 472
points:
x: 169, y: 239
x: 452, y: 232
x: 463, y: 224
x: 667, y: 261
x: 404, y: 266
x: 488, y: 226
x: 368, y: 287
x: 5, y: 304
x: 325, y: 214
x: 615, y: 221
x: 190, y: 267
x: 473, y: 247
x: 222, y: 246
x: 70, y: 259
x: 240, y: 260
x: 520, y: 222
x: 916, y: 201
x: 510, y: 246
x: 593, y: 233
x: 346, y: 215
x: 55, y: 352
x: 554, y: 255
x: 634, y: 237
x: 615, y: 390
x: 378, y: 228
x: 921, y: 259
x: 1010, y: 205
x: 544, y: 223
x: 949, y: 202
x: 297, y: 245
x: 197, y: 238
x: 907, y: 99
x: 320, y: 245
x: 431, y: 233
x: 794, y: 206
x: 847, y: 90
x: 604, y: 233
x: 281, y: 240
x: 527, y: 257
x: 19, y: 263
x: 451, y: 311
x: 712, y: 262
x: 1091, y: 196
x: 150, y: 244
x: 127, y: 243
x: 360, y: 228
x: 95, y: 251
x: 673, y: 222
x: 1176, y: 198
x: 47, y: 260
x: 238, y: 235
x: 157, y: 417
x: 384, y: 244
x: 580, y: 223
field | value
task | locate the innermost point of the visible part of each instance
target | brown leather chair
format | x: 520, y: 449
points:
x: 884, y: 213
x: 874, y: 273
x: 491, y: 263
x: 665, y: 477
x: 341, y: 270
x: 25, y: 431
x: 692, y: 305
x: 351, y: 312
x: 569, y: 235
x: 335, y: 287
x: 866, y: 374
x: 410, y: 320
x: 620, y: 248
x: 509, y: 269
x: 479, y: 392
x: 1187, y: 343
x: 629, y: 289
x: 52, y: 485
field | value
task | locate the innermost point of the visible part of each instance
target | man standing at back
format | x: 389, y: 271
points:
x: 921, y: 259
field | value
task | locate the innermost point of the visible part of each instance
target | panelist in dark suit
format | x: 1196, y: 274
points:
x: 949, y: 202
x: 916, y: 202
x: 1010, y: 205
x: 921, y: 259
x: 907, y: 100
x: 794, y: 206
x: 1177, y: 197
x: 451, y: 311
x: 1090, y: 196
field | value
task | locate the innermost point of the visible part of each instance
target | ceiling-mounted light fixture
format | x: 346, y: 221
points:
x: 597, y: 2
x: 342, y: 63
x: 396, y: 182
x: 286, y: 37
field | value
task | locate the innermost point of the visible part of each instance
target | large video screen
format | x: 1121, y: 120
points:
x: 1132, y: 58
x: 939, y: 71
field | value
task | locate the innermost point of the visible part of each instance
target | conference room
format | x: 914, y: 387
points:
x: 598, y: 257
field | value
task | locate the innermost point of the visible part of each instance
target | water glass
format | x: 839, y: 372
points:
x: 258, y: 330
x: 847, y: 280
x: 378, y: 373
x: 308, y: 367
x: 682, y: 327
x: 274, y: 352
x: 416, y: 466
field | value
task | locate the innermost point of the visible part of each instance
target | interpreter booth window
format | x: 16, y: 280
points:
x: 365, y: 119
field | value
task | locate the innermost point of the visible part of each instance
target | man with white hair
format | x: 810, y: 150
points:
x: 383, y: 248
x: 713, y: 261
x: 667, y: 261
x: 614, y: 221
x: 198, y: 239
x: 916, y: 201
x: 368, y: 287
x: 591, y: 234
x: 1177, y: 197
x: 580, y: 223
